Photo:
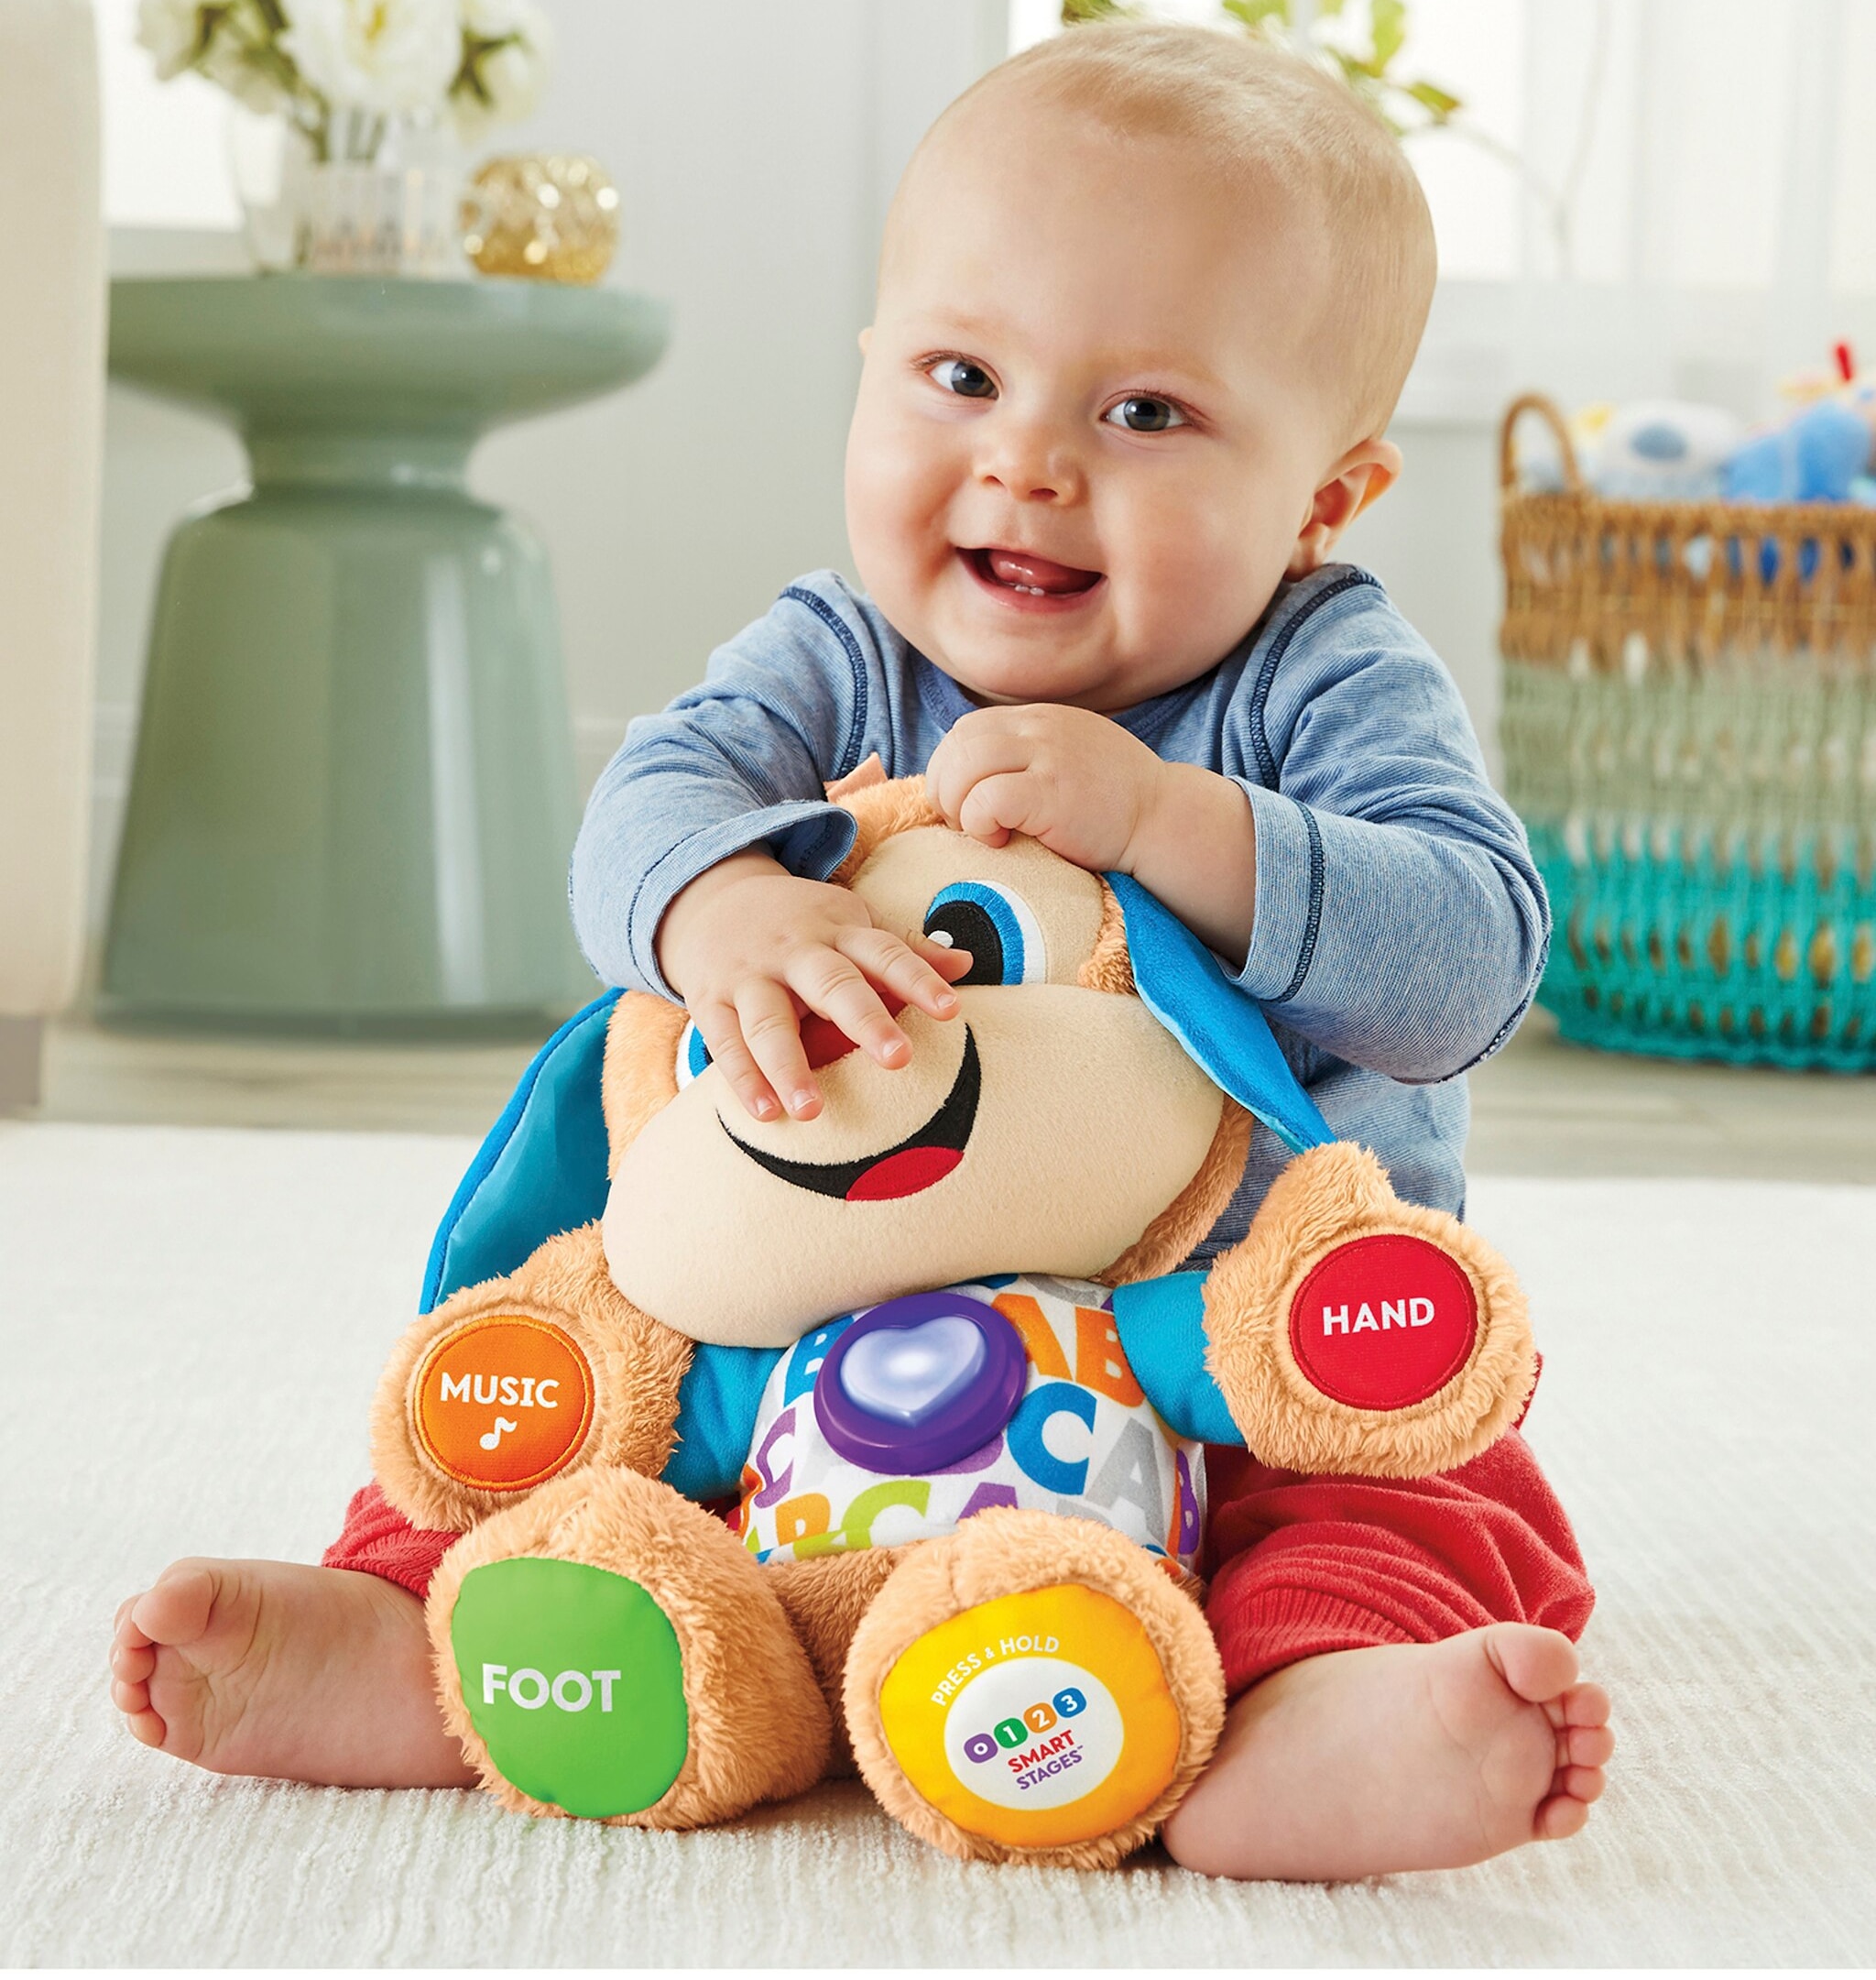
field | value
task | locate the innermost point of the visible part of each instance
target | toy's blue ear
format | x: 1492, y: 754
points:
x: 1222, y: 1028
x: 540, y: 1171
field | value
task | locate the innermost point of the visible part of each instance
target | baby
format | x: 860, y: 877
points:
x: 1147, y: 298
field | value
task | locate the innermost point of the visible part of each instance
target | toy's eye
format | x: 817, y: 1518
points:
x: 997, y: 927
x: 693, y: 1054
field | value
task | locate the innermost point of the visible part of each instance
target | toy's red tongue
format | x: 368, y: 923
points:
x: 904, y: 1174
x: 1021, y: 567
x: 823, y: 1041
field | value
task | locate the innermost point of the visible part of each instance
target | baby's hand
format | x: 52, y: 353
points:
x: 1073, y: 779
x: 749, y: 948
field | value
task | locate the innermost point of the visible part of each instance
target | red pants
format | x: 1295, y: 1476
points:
x: 1300, y: 1564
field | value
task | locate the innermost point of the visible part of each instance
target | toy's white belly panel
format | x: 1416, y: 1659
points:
x: 1082, y: 1442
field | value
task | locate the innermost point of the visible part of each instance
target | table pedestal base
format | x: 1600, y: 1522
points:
x: 353, y: 802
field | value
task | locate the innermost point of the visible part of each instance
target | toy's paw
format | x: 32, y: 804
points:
x: 519, y: 1380
x: 1353, y: 1332
x: 607, y: 1650
x: 1035, y: 1688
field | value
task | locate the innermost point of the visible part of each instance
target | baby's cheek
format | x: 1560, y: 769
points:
x: 897, y: 574
x: 1199, y: 574
x: 897, y: 512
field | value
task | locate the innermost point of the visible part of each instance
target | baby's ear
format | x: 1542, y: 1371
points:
x: 862, y: 777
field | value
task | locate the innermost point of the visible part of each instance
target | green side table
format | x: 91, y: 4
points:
x: 354, y: 798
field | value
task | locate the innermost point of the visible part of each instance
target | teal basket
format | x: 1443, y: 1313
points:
x: 1689, y: 732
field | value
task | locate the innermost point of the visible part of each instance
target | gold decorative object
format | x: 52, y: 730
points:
x: 551, y: 215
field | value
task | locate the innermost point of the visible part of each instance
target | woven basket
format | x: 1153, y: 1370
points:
x: 1689, y: 729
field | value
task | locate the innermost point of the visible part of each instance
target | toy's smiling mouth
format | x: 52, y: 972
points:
x: 925, y: 1157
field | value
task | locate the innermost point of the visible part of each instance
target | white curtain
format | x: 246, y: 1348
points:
x: 1694, y: 211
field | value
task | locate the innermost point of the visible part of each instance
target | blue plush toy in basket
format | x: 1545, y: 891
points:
x: 1689, y: 728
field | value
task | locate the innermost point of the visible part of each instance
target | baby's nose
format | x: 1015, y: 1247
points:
x: 823, y: 1041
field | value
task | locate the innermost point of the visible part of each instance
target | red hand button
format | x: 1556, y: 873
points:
x: 1383, y: 1322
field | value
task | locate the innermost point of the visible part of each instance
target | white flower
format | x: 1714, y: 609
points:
x: 496, y: 20
x: 506, y: 81
x: 171, y: 32
x: 386, y: 56
x: 253, y: 88
x: 240, y: 35
x: 511, y: 79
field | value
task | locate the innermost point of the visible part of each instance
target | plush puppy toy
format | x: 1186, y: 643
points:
x: 936, y: 1344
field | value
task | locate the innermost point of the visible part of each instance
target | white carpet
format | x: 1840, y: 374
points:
x: 193, y: 1321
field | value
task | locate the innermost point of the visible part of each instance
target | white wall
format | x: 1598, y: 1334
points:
x: 1433, y: 541
x: 754, y: 147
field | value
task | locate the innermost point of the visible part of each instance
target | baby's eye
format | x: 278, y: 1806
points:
x: 693, y: 1054
x: 967, y: 380
x: 997, y: 927
x: 1145, y: 415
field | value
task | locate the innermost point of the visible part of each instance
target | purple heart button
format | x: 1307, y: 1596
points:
x: 907, y: 1374
x: 916, y: 1383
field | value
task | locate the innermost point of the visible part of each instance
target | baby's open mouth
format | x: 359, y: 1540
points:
x: 923, y: 1158
x: 1035, y: 577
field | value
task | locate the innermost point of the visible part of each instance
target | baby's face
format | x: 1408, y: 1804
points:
x: 1089, y: 428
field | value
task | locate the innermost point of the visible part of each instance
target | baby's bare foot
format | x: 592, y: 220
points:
x: 1408, y: 1757
x: 266, y: 1667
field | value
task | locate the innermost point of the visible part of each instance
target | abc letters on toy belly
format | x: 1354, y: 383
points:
x: 844, y: 1455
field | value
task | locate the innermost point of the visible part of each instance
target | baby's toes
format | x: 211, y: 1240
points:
x: 1564, y: 1814
x: 1584, y: 1784
x: 133, y: 1663
x: 124, y: 1633
x: 178, y: 1607
x: 1539, y: 1665
x: 1582, y: 1704
x: 132, y: 1699
x: 1586, y: 1745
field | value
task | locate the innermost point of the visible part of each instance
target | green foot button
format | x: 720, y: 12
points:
x: 573, y: 1678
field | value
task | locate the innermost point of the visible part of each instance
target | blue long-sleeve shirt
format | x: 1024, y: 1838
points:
x: 1400, y: 927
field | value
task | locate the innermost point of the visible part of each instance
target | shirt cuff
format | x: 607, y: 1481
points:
x: 1287, y: 910
x: 810, y: 840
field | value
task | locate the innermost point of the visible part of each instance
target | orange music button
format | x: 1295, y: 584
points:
x: 502, y: 1402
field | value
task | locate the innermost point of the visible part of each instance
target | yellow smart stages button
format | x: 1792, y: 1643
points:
x: 1036, y: 1719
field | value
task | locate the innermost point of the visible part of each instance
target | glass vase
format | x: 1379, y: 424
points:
x: 369, y: 195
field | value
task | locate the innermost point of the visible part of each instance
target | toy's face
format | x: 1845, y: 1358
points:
x: 1041, y: 1130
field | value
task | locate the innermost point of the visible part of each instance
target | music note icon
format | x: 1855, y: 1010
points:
x: 494, y: 1437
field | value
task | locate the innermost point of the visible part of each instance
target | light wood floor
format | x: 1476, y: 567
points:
x: 1540, y: 1108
